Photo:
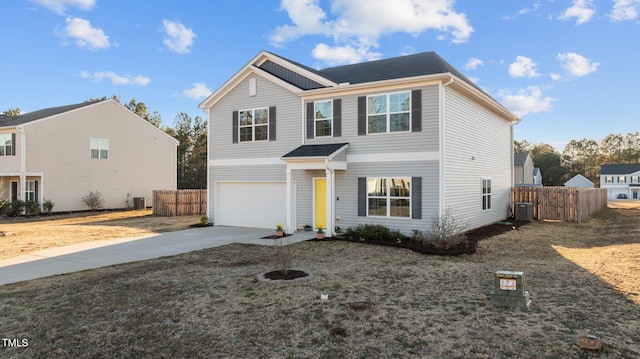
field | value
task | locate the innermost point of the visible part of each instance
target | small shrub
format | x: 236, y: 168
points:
x: 47, y: 206
x: 93, y: 200
x: 16, y: 208
x: 204, y: 220
x: 4, y: 207
x: 365, y: 232
x: 32, y: 207
x: 283, y: 255
x: 446, y: 231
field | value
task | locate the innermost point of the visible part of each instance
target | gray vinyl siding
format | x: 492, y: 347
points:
x: 268, y: 94
x: 425, y: 140
x: 477, y: 144
x: 347, y: 193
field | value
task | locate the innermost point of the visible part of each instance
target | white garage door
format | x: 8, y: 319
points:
x: 251, y: 204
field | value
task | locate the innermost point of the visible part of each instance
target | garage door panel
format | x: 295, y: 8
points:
x: 251, y: 204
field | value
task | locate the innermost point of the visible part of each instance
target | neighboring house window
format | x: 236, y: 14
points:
x: 254, y: 125
x: 6, y: 145
x: 389, y: 113
x: 608, y: 179
x: 389, y: 197
x: 635, y: 179
x: 622, y: 179
x: 30, y: 191
x: 323, y: 111
x: 99, y: 148
x: 486, y: 194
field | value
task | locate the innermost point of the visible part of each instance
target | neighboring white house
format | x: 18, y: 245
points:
x: 579, y: 181
x: 621, y: 180
x: 393, y: 142
x: 525, y: 174
x: 63, y: 153
x: 537, y: 177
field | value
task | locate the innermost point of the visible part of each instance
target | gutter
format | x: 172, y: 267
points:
x: 23, y: 162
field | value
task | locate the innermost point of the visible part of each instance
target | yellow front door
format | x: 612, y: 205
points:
x: 320, y: 206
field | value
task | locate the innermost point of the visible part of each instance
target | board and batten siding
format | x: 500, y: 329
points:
x: 477, y: 144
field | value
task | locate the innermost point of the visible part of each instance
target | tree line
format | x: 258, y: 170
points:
x: 191, y: 132
x: 583, y: 157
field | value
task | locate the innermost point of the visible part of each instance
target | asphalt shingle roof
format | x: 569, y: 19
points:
x: 39, y: 114
x: 619, y: 169
x: 519, y: 158
x: 315, y: 150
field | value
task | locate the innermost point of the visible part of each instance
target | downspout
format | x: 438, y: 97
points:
x: 441, y: 146
x: 208, y: 112
x: 23, y: 162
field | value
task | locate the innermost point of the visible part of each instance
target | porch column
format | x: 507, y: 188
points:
x: 330, y: 179
x: 289, y: 197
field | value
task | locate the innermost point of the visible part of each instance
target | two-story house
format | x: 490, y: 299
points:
x: 621, y: 180
x: 63, y: 153
x: 392, y: 142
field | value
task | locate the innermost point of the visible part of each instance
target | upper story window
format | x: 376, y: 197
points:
x: 486, y: 194
x: 608, y: 179
x: 622, y: 179
x: 635, y: 179
x: 323, y: 111
x: 99, y: 148
x: 389, y: 197
x: 254, y: 125
x: 389, y: 113
x: 6, y: 144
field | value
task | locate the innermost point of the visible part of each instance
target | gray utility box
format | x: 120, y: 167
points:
x: 139, y: 203
x: 524, y: 211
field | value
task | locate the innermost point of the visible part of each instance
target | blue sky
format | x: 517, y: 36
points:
x: 568, y: 68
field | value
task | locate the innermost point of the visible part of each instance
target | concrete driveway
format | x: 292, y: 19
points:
x: 96, y: 254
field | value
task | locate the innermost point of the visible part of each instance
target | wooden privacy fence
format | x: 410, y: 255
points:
x: 567, y: 204
x: 182, y: 202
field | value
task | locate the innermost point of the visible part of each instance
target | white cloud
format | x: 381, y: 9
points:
x: 115, y: 78
x: 343, y: 54
x: 526, y: 101
x: 60, y: 6
x: 84, y: 34
x: 179, y: 37
x: 555, y: 76
x: 357, y: 25
x: 523, y: 67
x: 524, y: 11
x: 577, y: 65
x: 625, y: 10
x: 198, y: 91
x: 473, y: 63
x: 582, y: 11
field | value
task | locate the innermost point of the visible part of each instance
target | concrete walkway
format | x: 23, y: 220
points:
x: 96, y: 254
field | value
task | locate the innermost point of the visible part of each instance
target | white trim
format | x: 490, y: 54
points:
x: 388, y: 112
x: 246, y: 161
x: 315, y: 120
x: 394, y: 157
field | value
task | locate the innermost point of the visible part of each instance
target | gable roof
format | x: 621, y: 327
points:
x: 619, y: 169
x: 578, y: 180
x: 519, y: 158
x: 39, y: 114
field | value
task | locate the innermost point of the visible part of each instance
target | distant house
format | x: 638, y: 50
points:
x: 392, y: 142
x: 63, y: 153
x: 579, y: 181
x: 621, y: 180
x: 524, y: 172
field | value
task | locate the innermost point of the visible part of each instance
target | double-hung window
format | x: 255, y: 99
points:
x: 608, y: 179
x: 30, y: 191
x: 99, y: 148
x: 254, y: 125
x: 486, y: 194
x: 622, y: 179
x: 6, y: 145
x: 323, y: 111
x: 389, y: 113
x: 635, y: 179
x: 389, y: 197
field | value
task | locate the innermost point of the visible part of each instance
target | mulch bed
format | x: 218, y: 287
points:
x: 289, y: 275
x: 467, y: 247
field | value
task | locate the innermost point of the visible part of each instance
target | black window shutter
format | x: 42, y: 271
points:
x: 13, y: 144
x: 337, y: 117
x: 272, y: 123
x: 36, y: 198
x: 310, y: 120
x: 416, y: 110
x: 234, y: 125
x: 362, y: 115
x: 416, y: 197
x: 362, y: 196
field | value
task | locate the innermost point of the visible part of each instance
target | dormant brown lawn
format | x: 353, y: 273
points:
x: 582, y: 278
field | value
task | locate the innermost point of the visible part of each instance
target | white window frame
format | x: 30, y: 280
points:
x: 608, y: 179
x: 316, y: 119
x: 623, y: 178
x: 389, y: 113
x: 30, y: 191
x: 388, y: 197
x: 7, y: 149
x: 253, y: 124
x: 486, y: 193
x: 635, y: 179
x: 102, y: 146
